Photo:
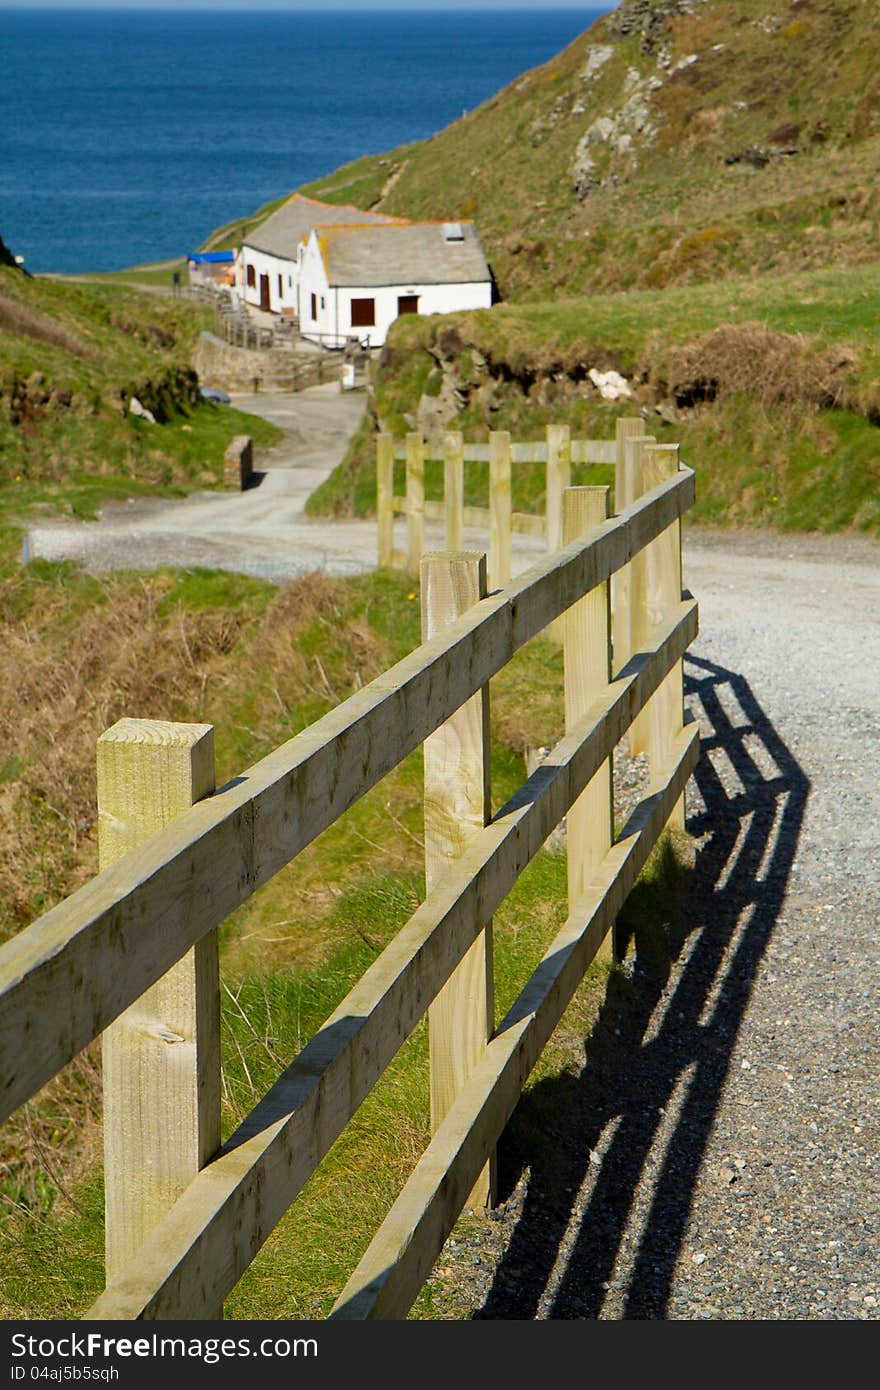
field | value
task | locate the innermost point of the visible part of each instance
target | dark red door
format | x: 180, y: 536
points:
x: 407, y: 304
x: 265, y: 301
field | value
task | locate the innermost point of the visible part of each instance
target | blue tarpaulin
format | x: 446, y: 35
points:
x: 211, y: 257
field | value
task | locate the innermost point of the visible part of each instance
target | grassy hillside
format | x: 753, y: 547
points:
x: 72, y: 357
x: 676, y: 141
x: 687, y: 194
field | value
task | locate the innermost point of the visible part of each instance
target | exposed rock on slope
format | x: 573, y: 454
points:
x: 676, y: 141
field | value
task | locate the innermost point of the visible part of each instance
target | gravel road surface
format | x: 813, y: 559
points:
x: 717, y: 1157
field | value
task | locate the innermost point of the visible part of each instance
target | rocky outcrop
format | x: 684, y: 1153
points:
x: 611, y: 145
x: 648, y: 19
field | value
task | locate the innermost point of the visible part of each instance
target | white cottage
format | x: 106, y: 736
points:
x: 356, y: 280
x: 268, y: 266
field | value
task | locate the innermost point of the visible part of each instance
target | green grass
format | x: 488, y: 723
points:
x: 157, y: 276
x: 667, y: 210
x: 134, y: 459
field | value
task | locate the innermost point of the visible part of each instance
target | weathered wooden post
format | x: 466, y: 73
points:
x: 453, y: 488
x: 161, y: 1056
x: 384, y: 499
x: 457, y: 806
x: 500, y: 508
x: 587, y: 663
x: 415, y: 503
x: 663, y: 717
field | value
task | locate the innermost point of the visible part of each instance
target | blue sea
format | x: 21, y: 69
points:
x: 127, y: 136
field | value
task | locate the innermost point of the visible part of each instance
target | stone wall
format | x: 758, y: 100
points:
x: 229, y: 368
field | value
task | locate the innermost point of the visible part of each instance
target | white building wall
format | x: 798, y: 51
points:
x: 317, y: 304
x: 333, y: 314
x: 282, y: 280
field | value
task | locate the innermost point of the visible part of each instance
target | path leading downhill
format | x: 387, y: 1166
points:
x: 717, y: 1157
x: 263, y: 531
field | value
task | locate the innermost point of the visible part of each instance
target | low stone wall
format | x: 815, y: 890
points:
x: 264, y: 369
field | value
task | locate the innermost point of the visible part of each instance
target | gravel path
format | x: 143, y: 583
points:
x: 262, y: 532
x: 717, y: 1156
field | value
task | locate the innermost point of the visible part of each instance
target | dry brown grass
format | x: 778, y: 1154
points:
x: 78, y: 657
x: 29, y: 323
x: 774, y: 369
x: 62, y: 684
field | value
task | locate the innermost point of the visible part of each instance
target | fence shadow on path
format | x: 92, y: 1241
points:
x: 614, y: 1153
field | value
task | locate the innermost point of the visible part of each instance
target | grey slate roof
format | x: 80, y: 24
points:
x: 281, y: 233
x: 413, y: 253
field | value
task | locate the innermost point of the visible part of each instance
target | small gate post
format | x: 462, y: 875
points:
x: 558, y: 479
x: 457, y: 806
x: 161, y: 1056
x: 415, y: 502
x: 587, y: 664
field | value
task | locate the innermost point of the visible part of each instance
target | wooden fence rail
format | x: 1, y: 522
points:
x: 133, y: 953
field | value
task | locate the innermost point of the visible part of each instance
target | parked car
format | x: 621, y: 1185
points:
x: 211, y: 393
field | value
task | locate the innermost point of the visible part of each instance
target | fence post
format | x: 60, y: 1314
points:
x: 499, y: 508
x: 161, y: 1056
x: 384, y: 499
x: 631, y: 427
x: 628, y: 487
x: 558, y: 479
x: 633, y: 620
x: 587, y: 664
x: 663, y: 717
x: 457, y: 806
x: 453, y: 488
x: 415, y: 502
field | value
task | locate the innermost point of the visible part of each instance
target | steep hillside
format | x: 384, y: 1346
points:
x: 676, y: 141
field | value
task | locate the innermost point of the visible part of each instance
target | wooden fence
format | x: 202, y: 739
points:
x: 133, y: 953
x: 557, y: 453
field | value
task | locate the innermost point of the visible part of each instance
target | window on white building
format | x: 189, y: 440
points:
x: 363, y: 313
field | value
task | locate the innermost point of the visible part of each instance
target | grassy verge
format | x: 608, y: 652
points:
x: 260, y: 664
